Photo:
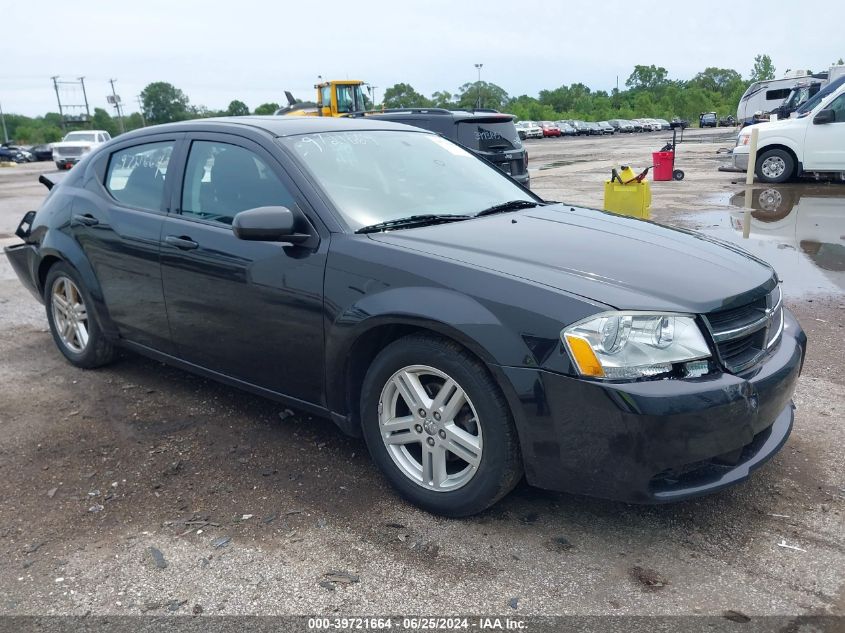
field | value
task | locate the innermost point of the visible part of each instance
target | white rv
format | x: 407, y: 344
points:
x: 783, y: 96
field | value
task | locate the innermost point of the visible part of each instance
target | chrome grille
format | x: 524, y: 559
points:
x: 743, y: 334
x: 68, y: 151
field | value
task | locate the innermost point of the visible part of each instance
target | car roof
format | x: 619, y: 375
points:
x: 278, y: 125
x: 456, y: 115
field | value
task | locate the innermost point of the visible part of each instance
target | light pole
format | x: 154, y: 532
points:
x: 478, y: 86
x: 3, y: 119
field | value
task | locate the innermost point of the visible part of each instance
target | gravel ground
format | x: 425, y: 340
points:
x: 139, y: 488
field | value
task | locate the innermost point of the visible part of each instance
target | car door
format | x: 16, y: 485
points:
x: 824, y: 144
x: 249, y: 310
x: 117, y: 221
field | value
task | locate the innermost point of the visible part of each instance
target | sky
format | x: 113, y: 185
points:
x: 253, y: 51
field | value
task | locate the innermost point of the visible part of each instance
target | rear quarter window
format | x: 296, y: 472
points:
x: 135, y: 175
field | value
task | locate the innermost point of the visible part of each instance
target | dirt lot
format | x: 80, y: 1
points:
x: 142, y: 489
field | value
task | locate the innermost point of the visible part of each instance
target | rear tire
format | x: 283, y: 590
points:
x: 70, y: 313
x: 412, y: 442
x: 775, y: 166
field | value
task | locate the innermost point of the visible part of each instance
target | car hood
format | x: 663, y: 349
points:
x: 619, y: 261
x: 776, y: 126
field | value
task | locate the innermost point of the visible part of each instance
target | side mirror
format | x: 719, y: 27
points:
x: 825, y: 116
x: 268, y: 224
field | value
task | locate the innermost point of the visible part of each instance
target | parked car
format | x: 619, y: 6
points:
x: 491, y: 135
x: 75, y: 145
x: 606, y: 128
x: 566, y: 129
x: 11, y: 153
x: 389, y: 279
x: 655, y: 125
x: 708, y: 119
x: 727, y: 121
x: 648, y: 125
x: 43, y: 152
x: 594, y: 128
x: 679, y: 123
x: 9, y: 156
x: 528, y: 129
x: 621, y: 125
x: 811, y: 143
x: 637, y: 123
x: 581, y: 127
x: 664, y: 124
x: 549, y: 128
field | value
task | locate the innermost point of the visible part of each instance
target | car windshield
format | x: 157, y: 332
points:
x: 489, y: 136
x: 383, y: 175
x: 86, y: 137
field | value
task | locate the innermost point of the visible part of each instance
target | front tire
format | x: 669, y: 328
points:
x: 72, y: 323
x: 775, y: 166
x: 438, y: 427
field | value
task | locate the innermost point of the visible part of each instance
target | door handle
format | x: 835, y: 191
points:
x: 86, y: 219
x: 184, y: 243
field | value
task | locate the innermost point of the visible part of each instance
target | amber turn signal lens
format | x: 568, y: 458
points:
x: 584, y: 356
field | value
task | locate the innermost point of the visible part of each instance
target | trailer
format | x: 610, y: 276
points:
x: 782, y: 97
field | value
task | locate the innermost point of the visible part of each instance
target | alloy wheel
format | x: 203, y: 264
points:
x: 430, y: 428
x: 70, y: 316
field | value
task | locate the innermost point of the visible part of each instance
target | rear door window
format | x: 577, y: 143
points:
x: 493, y: 136
x: 135, y: 176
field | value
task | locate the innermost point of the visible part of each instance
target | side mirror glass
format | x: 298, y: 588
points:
x: 267, y: 224
x: 825, y: 116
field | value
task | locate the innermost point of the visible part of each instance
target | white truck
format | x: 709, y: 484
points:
x: 75, y: 145
x: 813, y: 142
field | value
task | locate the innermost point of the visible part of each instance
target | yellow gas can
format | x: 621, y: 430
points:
x: 627, y: 193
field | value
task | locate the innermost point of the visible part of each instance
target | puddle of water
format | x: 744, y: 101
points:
x: 799, y: 230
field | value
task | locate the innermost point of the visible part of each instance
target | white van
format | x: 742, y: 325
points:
x: 813, y: 142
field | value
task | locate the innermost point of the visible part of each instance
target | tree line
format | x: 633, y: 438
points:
x: 648, y: 92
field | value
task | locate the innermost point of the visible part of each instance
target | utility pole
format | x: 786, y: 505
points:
x: 372, y: 90
x: 85, y: 98
x: 478, y: 85
x: 3, y: 119
x: 59, y: 100
x: 116, y: 101
x: 141, y: 110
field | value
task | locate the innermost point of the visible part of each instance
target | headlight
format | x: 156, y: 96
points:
x: 743, y: 139
x: 628, y: 345
x: 86, y: 149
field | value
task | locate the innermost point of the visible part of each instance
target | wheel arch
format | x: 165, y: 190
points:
x: 60, y: 247
x: 351, y: 348
x: 797, y: 167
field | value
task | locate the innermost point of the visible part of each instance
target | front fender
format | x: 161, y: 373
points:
x: 441, y: 310
x: 794, y: 146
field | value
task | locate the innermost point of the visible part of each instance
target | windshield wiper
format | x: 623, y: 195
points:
x: 411, y: 221
x: 513, y: 205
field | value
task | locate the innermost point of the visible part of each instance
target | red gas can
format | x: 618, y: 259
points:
x: 664, y: 164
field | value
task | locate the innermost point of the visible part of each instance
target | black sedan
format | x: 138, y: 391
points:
x: 42, y: 152
x: 388, y: 279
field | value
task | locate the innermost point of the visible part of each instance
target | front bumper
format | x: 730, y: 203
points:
x: 64, y: 161
x: 740, y: 160
x: 654, y: 441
